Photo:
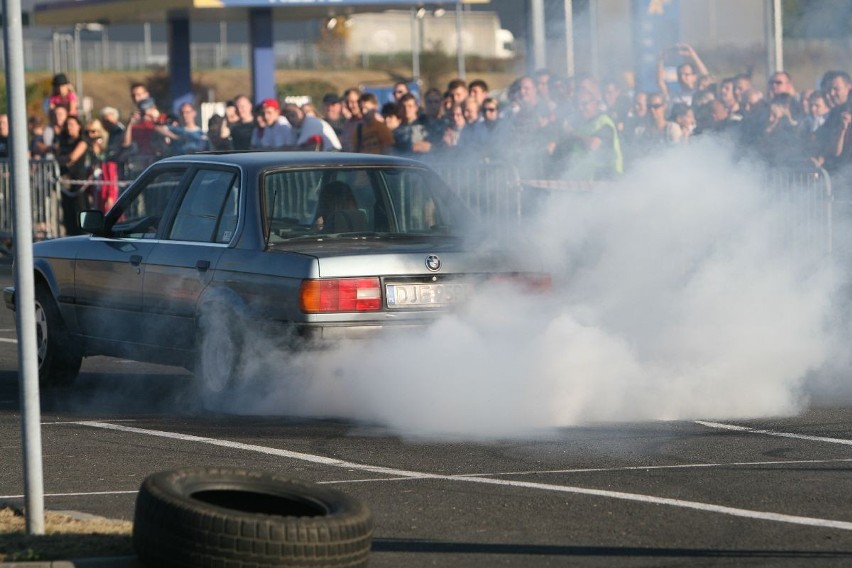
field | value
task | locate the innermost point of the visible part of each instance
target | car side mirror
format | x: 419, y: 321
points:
x: 92, y: 221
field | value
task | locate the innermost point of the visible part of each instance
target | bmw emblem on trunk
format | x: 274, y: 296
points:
x: 433, y: 263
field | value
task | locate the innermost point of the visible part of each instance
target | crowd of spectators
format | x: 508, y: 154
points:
x: 546, y: 125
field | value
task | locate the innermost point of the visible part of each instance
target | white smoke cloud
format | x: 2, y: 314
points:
x: 683, y: 291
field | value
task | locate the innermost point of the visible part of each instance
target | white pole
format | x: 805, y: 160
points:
x: 415, y: 47
x: 537, y: 18
x: 459, y: 40
x: 78, y: 72
x: 774, y: 36
x: 569, y: 38
x: 147, y: 43
x: 223, y: 43
x: 105, y: 62
x: 593, y: 36
x: 778, y: 26
x: 24, y: 287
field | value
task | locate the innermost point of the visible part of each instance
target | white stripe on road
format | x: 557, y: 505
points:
x: 74, y: 494
x: 650, y: 467
x: 635, y: 497
x: 720, y: 426
x: 6, y: 340
x: 259, y: 449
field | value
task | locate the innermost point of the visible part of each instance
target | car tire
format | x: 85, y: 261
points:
x: 59, y: 360
x: 218, y: 351
x: 196, y: 517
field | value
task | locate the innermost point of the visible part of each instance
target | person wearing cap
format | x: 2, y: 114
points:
x: 276, y: 133
x: 63, y: 94
x: 310, y: 132
x: 332, y: 113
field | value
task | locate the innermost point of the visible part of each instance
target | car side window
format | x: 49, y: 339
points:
x: 208, y: 210
x: 141, y: 215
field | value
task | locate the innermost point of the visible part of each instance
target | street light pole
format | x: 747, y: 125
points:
x: 460, y: 40
x: 78, y: 75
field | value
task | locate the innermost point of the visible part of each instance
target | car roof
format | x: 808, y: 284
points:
x: 259, y: 160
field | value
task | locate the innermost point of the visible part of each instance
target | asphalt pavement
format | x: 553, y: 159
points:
x: 774, y: 491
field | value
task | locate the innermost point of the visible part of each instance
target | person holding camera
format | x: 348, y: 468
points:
x: 688, y: 72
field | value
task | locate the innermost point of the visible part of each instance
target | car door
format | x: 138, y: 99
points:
x: 109, y: 273
x: 181, y: 265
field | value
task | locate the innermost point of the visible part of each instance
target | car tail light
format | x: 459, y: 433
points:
x: 340, y: 295
x: 529, y: 282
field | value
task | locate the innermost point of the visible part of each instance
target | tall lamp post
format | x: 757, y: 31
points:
x: 78, y: 59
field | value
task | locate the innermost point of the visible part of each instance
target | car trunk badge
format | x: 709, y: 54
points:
x: 433, y: 263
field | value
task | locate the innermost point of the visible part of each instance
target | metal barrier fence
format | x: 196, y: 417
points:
x: 810, y: 220
x: 502, y: 197
x: 493, y: 190
x: 44, y: 184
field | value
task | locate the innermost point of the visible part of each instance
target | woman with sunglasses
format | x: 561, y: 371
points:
x: 102, y: 172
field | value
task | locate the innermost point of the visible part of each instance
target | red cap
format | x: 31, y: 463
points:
x: 272, y: 103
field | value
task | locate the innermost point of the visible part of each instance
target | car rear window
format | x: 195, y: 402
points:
x: 340, y: 202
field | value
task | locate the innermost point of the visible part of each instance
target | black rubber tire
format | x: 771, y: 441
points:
x: 219, y: 349
x: 204, y: 517
x: 59, y: 360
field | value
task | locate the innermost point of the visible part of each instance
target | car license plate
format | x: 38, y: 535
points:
x: 431, y: 295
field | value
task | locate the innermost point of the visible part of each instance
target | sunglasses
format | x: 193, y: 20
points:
x: 657, y: 105
x: 490, y: 109
x: 93, y: 131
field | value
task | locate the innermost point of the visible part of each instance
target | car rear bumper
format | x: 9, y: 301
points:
x: 324, y: 334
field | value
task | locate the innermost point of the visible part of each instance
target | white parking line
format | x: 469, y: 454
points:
x: 74, y: 494
x: 720, y: 426
x: 6, y: 340
x: 648, y: 499
x: 650, y: 467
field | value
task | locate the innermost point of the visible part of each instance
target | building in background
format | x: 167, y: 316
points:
x: 389, y: 32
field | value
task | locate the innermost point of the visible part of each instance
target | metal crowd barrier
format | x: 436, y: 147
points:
x: 810, y: 221
x: 501, y: 196
x: 44, y: 184
x: 493, y: 190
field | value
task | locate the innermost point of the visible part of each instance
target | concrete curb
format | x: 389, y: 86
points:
x: 105, y: 562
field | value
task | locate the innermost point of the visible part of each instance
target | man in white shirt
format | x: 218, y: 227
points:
x: 276, y: 132
x: 310, y: 132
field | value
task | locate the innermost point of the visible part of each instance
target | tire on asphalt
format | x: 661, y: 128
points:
x: 218, y: 350
x: 59, y: 360
x: 196, y: 517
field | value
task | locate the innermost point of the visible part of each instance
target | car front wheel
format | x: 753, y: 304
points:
x: 59, y: 360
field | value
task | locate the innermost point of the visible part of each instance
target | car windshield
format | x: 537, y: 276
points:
x: 379, y: 201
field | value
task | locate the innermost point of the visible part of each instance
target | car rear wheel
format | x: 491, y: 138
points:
x: 196, y: 517
x: 218, y: 354
x: 59, y: 360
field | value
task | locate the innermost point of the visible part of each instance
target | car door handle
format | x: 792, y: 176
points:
x: 202, y: 265
x: 136, y: 259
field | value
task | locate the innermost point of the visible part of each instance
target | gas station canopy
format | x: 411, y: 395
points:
x: 177, y: 14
